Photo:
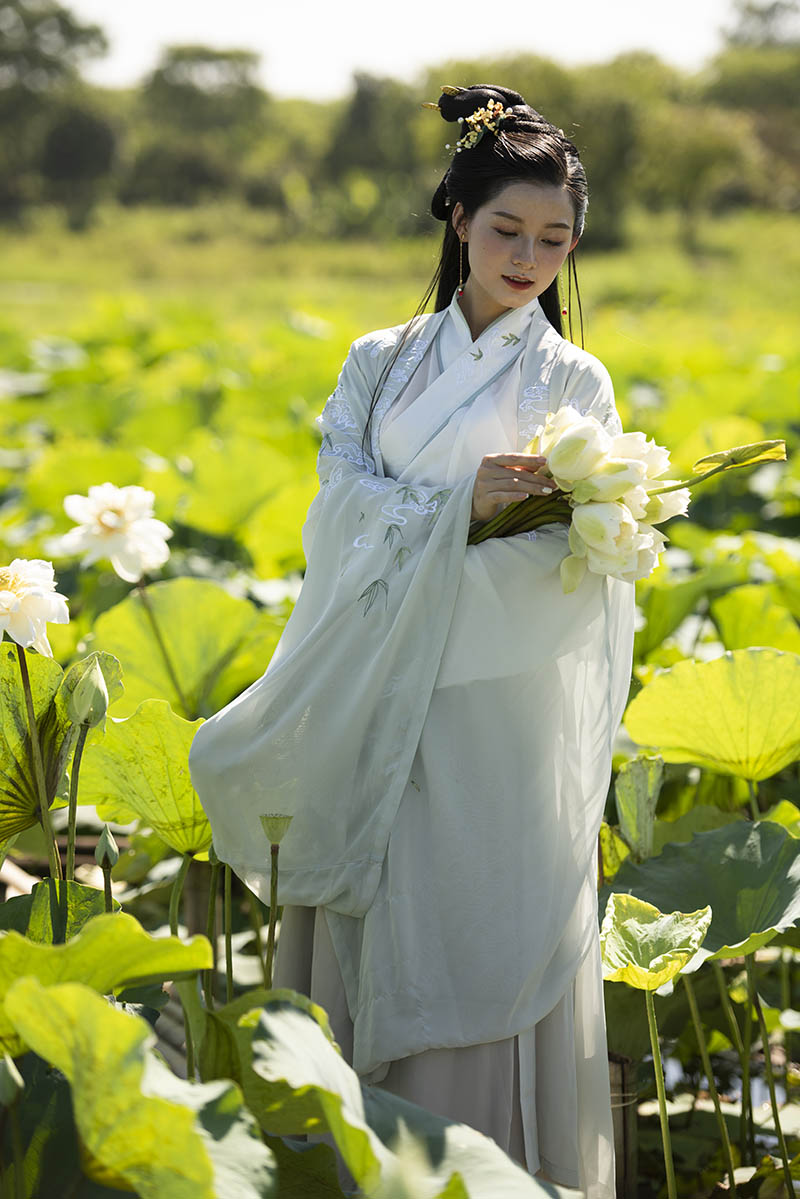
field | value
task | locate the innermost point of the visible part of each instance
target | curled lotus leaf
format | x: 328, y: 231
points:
x: 738, y: 714
x: 743, y: 455
x: 645, y: 947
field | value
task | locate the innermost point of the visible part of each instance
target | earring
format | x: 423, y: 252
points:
x: 460, y: 267
x: 563, y: 293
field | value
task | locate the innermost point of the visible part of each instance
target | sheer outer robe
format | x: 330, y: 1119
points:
x: 329, y: 732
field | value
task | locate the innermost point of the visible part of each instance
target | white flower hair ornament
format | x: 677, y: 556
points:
x: 482, y: 120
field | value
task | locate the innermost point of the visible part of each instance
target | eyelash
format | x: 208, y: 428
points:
x: 547, y: 242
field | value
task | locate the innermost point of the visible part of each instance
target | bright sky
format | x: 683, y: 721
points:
x: 312, y: 47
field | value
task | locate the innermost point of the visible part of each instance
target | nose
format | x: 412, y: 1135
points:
x: 525, y: 253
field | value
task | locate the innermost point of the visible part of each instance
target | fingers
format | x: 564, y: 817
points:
x: 528, y: 460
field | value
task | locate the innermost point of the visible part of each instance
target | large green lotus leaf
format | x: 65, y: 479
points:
x: 738, y: 714
x: 785, y: 813
x: 19, y: 802
x: 209, y: 501
x: 204, y: 629
x: 645, y: 947
x: 141, y: 766
x: 697, y: 820
x: 272, y: 535
x: 749, y: 616
x: 55, y: 910
x: 313, y: 1089
x: 146, y: 1142
x: 665, y: 602
x: 110, y: 952
x: 636, y: 789
x: 748, y: 873
x: 305, y: 1169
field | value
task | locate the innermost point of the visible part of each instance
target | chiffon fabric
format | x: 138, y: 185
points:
x: 444, y: 749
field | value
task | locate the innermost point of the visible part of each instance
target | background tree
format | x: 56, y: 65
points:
x: 78, y: 152
x: 42, y: 46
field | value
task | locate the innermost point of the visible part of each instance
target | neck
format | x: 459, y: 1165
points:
x: 478, y: 315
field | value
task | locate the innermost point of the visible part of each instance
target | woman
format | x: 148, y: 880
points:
x: 437, y: 718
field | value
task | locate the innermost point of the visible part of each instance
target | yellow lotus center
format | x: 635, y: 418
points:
x: 109, y: 528
x: 11, y: 581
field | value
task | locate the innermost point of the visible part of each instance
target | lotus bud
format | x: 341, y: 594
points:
x: 106, y: 853
x: 275, y: 826
x: 88, y: 702
x: 11, y: 1081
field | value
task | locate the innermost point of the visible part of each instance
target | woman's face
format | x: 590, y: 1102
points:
x: 517, y: 243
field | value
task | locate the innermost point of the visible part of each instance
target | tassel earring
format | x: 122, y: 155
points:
x: 563, y: 293
x: 460, y: 267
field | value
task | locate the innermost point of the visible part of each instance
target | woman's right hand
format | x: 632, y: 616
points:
x: 503, y: 478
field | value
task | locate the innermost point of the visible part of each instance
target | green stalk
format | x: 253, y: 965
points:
x: 228, y: 946
x: 672, y: 1191
x: 174, y: 907
x: 693, y: 480
x: 786, y: 1001
x: 73, y: 800
x: 211, y: 933
x: 727, y: 1007
x: 38, y: 768
x: 273, y: 910
x: 753, y: 788
x: 258, y: 924
x: 520, y: 516
x: 19, y: 1161
x: 751, y: 985
x: 747, y: 1137
x: 162, y: 646
x: 107, y: 888
x: 712, y: 1086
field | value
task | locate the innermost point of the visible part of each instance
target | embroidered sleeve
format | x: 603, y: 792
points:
x: 591, y: 391
x: 387, y: 518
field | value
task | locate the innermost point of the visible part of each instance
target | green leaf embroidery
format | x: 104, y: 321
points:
x: 477, y: 355
x: 510, y: 339
x: 371, y: 592
x: 392, y: 532
x: 401, y: 556
x: 408, y: 493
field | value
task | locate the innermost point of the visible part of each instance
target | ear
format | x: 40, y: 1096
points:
x: 457, y: 218
x: 574, y: 243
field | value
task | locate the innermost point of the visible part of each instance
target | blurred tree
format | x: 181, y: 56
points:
x: 41, y: 48
x: 171, y: 172
x: 199, y: 90
x: 374, y: 130
x: 78, y: 152
x: 774, y: 23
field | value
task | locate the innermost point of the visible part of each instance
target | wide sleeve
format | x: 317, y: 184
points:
x: 587, y: 386
x: 327, y: 735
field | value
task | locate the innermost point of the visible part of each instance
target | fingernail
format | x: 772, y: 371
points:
x: 547, y: 491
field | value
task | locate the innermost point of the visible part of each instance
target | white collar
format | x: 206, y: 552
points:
x: 513, y: 320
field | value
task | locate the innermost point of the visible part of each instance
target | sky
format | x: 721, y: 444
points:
x: 312, y: 47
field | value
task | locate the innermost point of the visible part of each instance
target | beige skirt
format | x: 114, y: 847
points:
x: 479, y: 1085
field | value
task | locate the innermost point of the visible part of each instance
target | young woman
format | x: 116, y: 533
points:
x: 438, y: 718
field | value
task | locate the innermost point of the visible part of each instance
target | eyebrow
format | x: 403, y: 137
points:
x: 551, y: 225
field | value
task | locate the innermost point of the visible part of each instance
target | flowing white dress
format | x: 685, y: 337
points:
x: 459, y: 956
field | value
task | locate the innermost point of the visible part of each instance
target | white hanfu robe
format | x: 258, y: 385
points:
x: 438, y: 718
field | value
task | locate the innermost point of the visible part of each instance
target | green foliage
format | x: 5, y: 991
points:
x: 644, y: 947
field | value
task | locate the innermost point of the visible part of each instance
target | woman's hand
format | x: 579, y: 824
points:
x: 503, y: 478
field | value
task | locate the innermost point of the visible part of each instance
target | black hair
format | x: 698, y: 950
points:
x: 525, y: 148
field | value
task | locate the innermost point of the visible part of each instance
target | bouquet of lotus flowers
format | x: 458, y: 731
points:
x: 611, y: 491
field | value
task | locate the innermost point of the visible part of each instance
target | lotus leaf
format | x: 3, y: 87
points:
x: 110, y: 952
x: 636, y: 789
x: 697, y: 820
x: 140, y: 767
x: 645, y: 947
x: 195, y: 1142
x: 748, y: 873
x: 613, y: 851
x: 54, y: 911
x: 738, y: 714
x: 749, y: 616
x: 666, y: 602
x: 19, y: 800
x: 205, y: 630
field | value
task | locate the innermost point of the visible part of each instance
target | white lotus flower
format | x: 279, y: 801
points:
x: 610, y: 480
x: 606, y: 539
x: 115, y: 523
x: 28, y: 600
x: 662, y: 507
x: 575, y: 446
x: 636, y: 445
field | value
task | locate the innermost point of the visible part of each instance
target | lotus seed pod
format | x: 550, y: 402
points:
x: 275, y: 826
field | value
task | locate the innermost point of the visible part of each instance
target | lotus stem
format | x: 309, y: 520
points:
x: 753, y: 789
x: 174, y: 908
x: 672, y: 1191
x: 727, y: 1007
x: 38, y: 768
x: 109, y: 899
x: 752, y: 990
x: 748, y: 1125
x: 19, y: 1157
x: 712, y: 1086
x: 228, y: 946
x: 520, y: 516
x: 73, y: 800
x: 162, y: 646
x: 273, y: 910
x: 254, y: 912
x: 211, y: 933
x: 786, y: 1002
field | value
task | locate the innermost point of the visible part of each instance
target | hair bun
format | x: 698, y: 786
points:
x: 465, y: 100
